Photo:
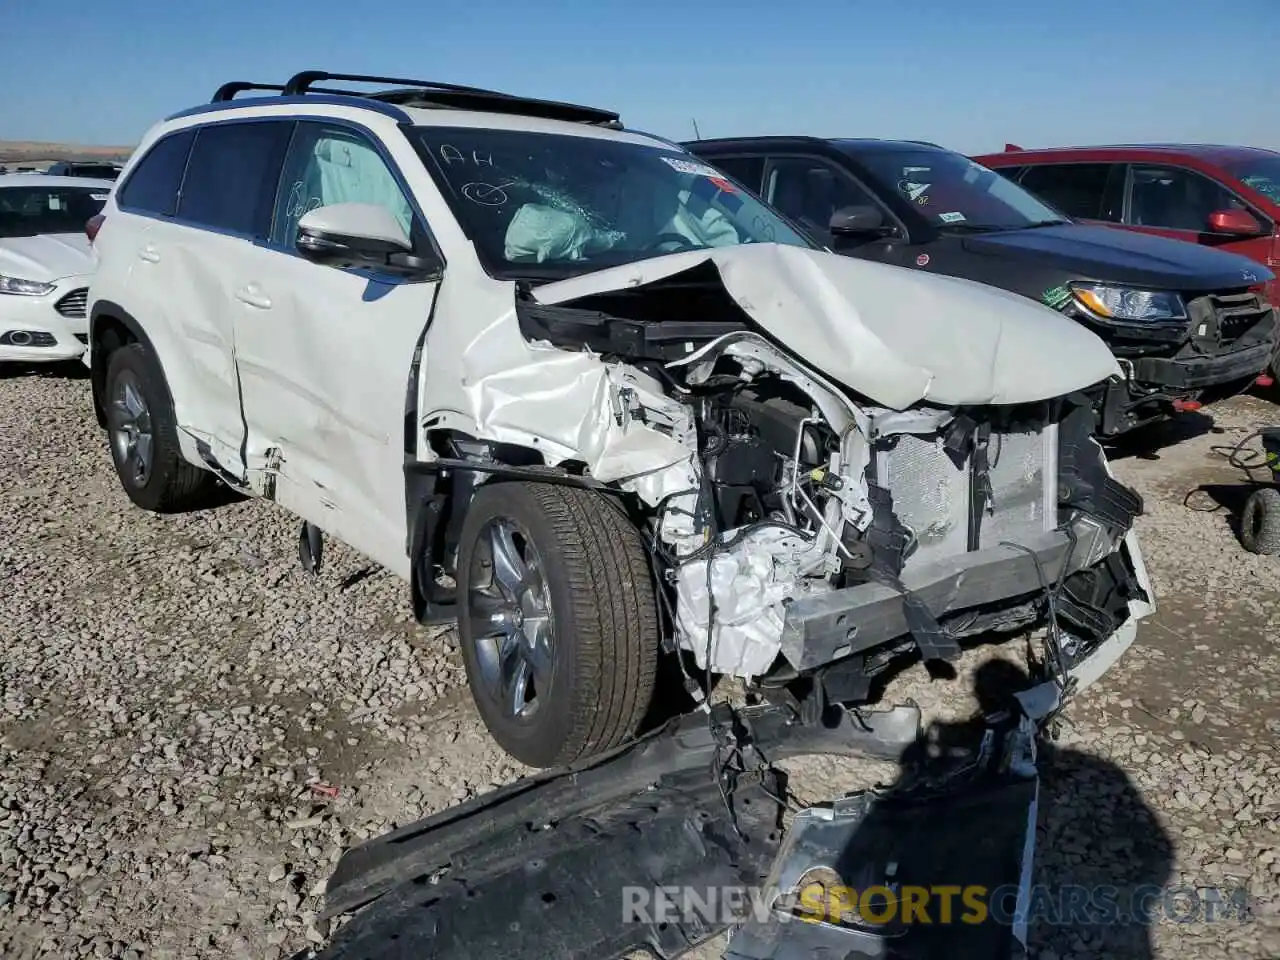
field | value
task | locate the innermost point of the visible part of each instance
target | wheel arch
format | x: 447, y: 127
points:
x: 438, y: 493
x: 111, y: 326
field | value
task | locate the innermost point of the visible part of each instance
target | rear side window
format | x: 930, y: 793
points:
x: 748, y: 171
x: 1077, y: 189
x: 153, y: 185
x: 1009, y: 173
x: 231, y: 176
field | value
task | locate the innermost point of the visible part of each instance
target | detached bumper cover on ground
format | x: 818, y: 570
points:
x: 566, y: 864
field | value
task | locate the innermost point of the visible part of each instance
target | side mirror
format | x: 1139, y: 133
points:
x: 1237, y: 223
x: 360, y: 235
x: 852, y: 221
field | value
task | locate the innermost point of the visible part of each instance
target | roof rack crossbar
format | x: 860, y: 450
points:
x: 229, y: 90
x: 425, y: 93
x: 452, y: 94
x: 300, y: 83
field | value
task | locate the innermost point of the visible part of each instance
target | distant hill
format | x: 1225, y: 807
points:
x: 33, y: 152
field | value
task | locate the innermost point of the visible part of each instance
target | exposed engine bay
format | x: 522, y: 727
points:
x: 796, y: 523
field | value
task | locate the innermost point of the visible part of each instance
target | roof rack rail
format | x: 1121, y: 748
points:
x: 432, y: 93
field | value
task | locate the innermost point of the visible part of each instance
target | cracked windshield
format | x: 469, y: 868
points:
x: 567, y: 205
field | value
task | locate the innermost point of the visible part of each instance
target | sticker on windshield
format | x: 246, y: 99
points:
x: 912, y: 190
x: 954, y: 216
x: 98, y: 196
x: 689, y: 166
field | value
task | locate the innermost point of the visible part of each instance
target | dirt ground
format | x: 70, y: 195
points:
x: 192, y: 730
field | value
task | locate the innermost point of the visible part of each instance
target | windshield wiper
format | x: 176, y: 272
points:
x: 1044, y: 223
x: 972, y: 228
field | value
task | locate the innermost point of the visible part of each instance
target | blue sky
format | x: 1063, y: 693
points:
x: 969, y: 75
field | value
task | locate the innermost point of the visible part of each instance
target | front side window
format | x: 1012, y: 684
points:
x: 232, y: 174
x: 1175, y: 199
x: 330, y: 164
x: 810, y: 191
x: 152, y: 186
x: 954, y: 193
x: 558, y: 205
x: 31, y: 211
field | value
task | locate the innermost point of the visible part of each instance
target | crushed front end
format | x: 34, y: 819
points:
x: 807, y: 528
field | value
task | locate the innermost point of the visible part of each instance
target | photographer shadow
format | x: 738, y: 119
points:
x: 1102, y: 862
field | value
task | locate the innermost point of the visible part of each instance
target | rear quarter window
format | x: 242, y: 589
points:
x: 153, y: 185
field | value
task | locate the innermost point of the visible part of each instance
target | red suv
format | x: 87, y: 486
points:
x: 1227, y: 197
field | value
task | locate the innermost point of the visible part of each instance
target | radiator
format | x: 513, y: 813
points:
x: 931, y: 494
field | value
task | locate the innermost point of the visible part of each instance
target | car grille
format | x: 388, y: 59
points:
x: 931, y: 494
x: 73, y: 304
x: 1233, y: 314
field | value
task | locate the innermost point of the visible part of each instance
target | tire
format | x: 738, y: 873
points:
x: 1260, y: 522
x: 168, y: 484
x: 589, y: 566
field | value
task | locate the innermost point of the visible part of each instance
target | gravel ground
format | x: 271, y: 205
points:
x: 192, y: 730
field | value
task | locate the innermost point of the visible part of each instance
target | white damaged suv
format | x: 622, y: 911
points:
x: 599, y: 404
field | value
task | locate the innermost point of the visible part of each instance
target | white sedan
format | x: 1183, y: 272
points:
x: 45, y: 264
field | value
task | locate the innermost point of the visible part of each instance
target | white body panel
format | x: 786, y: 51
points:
x: 324, y: 366
x: 297, y: 375
x: 62, y: 259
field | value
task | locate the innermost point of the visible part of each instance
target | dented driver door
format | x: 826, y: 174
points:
x: 325, y: 355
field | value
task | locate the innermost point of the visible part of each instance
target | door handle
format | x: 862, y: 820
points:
x: 149, y: 253
x: 254, y: 297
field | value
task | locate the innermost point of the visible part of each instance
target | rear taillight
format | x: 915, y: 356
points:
x: 93, y: 225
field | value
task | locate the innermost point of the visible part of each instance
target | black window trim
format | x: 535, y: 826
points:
x: 261, y: 234
x: 770, y: 158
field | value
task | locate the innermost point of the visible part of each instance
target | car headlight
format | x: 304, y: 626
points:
x: 1126, y: 303
x: 24, y: 288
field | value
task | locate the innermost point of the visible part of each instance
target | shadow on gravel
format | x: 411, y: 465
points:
x: 1102, y: 859
x: 60, y: 370
x: 1146, y: 442
x: 1228, y: 498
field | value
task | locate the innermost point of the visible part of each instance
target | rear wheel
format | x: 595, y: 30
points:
x: 559, y: 625
x: 144, y: 436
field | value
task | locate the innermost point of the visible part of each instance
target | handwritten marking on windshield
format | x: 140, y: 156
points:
x: 764, y: 228
x: 451, y: 154
x: 486, y: 194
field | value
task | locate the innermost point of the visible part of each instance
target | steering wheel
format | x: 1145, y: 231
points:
x: 672, y: 237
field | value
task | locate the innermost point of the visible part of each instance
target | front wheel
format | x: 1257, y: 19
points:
x: 559, y: 622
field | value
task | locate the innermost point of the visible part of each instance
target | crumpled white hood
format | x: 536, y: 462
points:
x: 47, y: 257
x: 896, y: 335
